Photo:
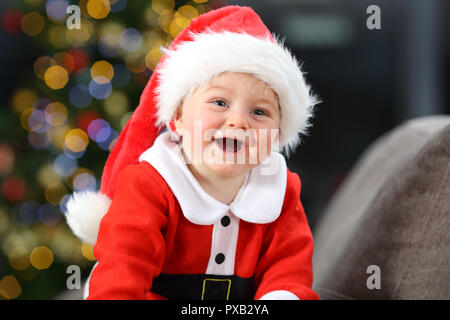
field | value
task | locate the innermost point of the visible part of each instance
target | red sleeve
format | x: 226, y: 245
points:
x: 130, y: 246
x: 286, y: 259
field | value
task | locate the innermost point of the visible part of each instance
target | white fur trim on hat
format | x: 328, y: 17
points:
x: 195, y: 62
x: 85, y: 210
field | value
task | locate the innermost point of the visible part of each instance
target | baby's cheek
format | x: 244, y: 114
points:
x: 209, y: 122
x: 265, y: 144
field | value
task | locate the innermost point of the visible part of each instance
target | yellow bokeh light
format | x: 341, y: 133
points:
x: 165, y: 20
x: 76, y: 140
x: 57, y: 135
x: 152, y: 58
x: 42, y: 64
x: 10, y: 287
x: 23, y: 99
x: 32, y: 23
x: 47, y: 175
x: 87, y: 251
x: 151, y: 17
x: 159, y: 6
x: 13, y: 239
x: 98, y: 9
x: 109, y: 35
x: 18, y: 258
x: 80, y: 37
x: 116, y: 104
x: 200, y: 1
x: 102, y: 72
x: 176, y: 26
x: 54, y: 192
x: 56, y: 113
x: 182, y: 22
x: 56, y: 77
x: 135, y: 61
x: 155, y: 38
x: 63, y: 245
x: 41, y: 257
x: 24, y: 118
x: 187, y: 11
x: 56, y: 36
x: 182, y: 19
x: 110, y: 28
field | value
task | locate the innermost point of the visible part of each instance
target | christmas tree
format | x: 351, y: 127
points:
x: 91, y: 63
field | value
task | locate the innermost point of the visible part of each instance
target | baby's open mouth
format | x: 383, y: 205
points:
x: 229, y: 144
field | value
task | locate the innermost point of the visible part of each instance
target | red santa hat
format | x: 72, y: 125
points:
x: 229, y: 39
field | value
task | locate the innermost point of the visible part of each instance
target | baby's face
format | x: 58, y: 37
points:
x: 229, y: 125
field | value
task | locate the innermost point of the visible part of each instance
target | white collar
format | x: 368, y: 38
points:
x: 259, y: 200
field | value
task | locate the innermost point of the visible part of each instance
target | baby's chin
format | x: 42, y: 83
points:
x: 225, y: 165
x: 228, y: 170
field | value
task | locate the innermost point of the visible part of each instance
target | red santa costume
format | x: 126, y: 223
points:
x: 157, y: 233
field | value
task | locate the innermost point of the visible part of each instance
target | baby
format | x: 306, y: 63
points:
x: 206, y: 209
x: 231, y: 111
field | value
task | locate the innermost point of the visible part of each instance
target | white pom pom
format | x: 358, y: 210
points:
x: 85, y: 209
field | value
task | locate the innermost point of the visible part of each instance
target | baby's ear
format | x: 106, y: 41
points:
x: 176, y: 123
x: 177, y: 114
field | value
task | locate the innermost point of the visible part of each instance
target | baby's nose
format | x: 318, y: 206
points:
x: 237, y: 120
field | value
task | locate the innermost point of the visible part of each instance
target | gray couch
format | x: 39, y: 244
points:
x: 386, y: 233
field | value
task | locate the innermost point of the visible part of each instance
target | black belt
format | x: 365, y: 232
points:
x: 203, y: 287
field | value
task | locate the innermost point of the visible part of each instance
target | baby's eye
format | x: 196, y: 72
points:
x: 259, y: 112
x: 220, y: 103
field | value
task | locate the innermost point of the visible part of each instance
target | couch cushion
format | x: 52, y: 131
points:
x: 393, y: 211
